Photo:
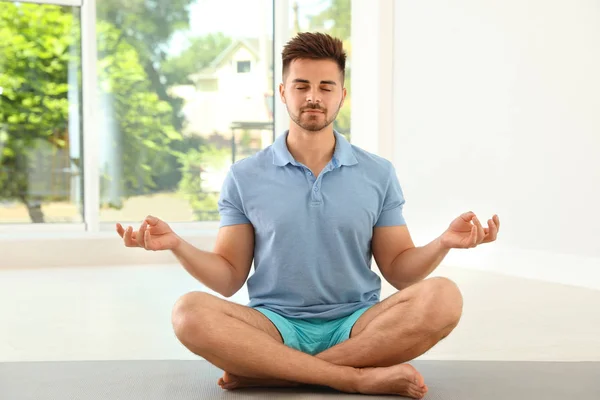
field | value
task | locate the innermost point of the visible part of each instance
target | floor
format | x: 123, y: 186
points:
x: 171, y: 206
x: 123, y: 313
x: 193, y: 380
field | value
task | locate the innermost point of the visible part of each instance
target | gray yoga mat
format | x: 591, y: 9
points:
x: 194, y: 380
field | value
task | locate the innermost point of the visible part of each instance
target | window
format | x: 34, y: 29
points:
x: 173, y: 115
x: 41, y: 170
x: 243, y: 67
x: 140, y: 107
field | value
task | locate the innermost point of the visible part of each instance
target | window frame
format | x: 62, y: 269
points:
x: 243, y: 62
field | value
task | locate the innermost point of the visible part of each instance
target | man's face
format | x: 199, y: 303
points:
x: 313, y: 93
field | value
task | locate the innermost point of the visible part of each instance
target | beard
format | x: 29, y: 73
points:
x: 313, y: 122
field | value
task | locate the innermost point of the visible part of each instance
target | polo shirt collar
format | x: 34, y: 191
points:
x: 342, y: 155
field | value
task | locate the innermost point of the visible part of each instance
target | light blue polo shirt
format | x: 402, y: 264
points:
x: 312, y: 256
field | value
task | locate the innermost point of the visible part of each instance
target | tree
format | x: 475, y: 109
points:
x: 35, y: 57
x: 39, y: 50
x: 335, y: 19
x: 194, y: 164
x: 148, y: 26
x: 37, y: 53
x: 145, y: 131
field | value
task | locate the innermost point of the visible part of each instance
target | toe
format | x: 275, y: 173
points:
x: 417, y: 392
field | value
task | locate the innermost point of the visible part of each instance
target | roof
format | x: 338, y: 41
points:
x: 252, y: 44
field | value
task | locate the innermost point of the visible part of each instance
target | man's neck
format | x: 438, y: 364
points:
x: 313, y: 149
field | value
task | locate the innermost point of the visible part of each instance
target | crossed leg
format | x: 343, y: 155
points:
x: 246, y: 344
x: 402, y: 327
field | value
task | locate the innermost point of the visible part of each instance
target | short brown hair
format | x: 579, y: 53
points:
x: 314, y: 46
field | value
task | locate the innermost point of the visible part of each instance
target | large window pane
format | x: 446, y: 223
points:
x: 186, y: 89
x: 40, y: 114
x: 334, y: 18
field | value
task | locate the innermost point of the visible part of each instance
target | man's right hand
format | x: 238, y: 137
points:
x: 154, y: 234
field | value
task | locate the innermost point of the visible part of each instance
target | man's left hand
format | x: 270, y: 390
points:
x: 467, y: 232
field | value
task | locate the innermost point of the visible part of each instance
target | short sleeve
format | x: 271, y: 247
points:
x: 231, y: 208
x: 393, y: 203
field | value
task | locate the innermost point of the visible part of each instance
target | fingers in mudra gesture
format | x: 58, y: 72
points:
x: 466, y: 232
x: 154, y: 234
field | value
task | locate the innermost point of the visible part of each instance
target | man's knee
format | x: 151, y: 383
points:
x: 192, y: 317
x: 442, y: 304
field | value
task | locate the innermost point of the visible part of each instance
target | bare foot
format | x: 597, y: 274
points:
x: 231, y: 382
x: 401, y: 379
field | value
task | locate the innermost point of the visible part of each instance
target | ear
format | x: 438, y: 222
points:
x: 282, y: 92
x: 344, y: 93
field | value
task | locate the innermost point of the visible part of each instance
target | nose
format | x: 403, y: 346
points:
x: 312, y: 96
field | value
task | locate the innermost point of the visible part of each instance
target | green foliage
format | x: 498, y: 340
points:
x: 195, y: 163
x: 39, y: 53
x: 143, y: 121
x: 139, y: 32
x: 39, y: 49
x: 35, y: 60
x: 39, y: 62
x: 146, y: 29
x: 147, y: 26
x: 338, y: 15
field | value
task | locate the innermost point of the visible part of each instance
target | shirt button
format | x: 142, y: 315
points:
x: 309, y: 173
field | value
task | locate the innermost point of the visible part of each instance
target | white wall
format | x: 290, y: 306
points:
x: 497, y: 110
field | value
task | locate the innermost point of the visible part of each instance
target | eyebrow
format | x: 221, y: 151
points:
x: 307, y: 81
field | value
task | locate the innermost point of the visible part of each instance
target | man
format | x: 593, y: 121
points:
x: 310, y: 211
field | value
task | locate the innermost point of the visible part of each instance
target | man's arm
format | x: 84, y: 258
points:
x: 223, y: 270
x: 226, y: 269
x: 400, y: 262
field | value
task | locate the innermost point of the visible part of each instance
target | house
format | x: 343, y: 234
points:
x: 235, y: 90
x: 230, y: 103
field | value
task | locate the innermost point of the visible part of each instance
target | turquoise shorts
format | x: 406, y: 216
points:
x: 312, y: 335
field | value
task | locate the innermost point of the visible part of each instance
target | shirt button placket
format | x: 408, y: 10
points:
x: 317, y: 192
